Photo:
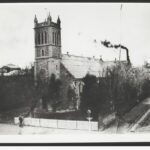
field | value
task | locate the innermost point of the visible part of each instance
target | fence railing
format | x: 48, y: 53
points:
x: 59, y: 124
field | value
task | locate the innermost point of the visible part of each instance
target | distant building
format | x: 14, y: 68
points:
x: 10, y: 69
x: 69, y: 68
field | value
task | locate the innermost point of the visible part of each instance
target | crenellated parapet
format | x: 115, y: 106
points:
x: 48, y: 22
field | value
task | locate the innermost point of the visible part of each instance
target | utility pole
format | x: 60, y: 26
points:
x: 120, y: 30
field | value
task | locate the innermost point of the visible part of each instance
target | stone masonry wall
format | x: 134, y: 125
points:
x: 66, y: 79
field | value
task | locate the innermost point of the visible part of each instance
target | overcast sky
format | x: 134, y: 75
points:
x: 83, y: 27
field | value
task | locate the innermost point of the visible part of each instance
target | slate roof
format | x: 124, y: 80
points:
x: 79, y: 66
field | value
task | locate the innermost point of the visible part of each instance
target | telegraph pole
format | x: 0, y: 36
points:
x: 120, y: 30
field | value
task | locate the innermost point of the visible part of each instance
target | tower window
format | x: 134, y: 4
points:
x: 57, y: 38
x: 38, y: 38
x: 53, y: 37
x: 42, y: 52
x: 45, y: 37
x: 56, y: 67
x: 42, y: 38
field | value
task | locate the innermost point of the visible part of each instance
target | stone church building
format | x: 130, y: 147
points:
x: 70, y: 69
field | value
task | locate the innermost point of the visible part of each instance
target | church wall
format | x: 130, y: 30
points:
x: 54, y: 67
x: 42, y: 67
x: 69, y: 81
x: 40, y: 49
x: 50, y: 66
x: 66, y: 80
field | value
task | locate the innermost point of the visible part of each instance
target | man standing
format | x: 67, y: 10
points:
x: 20, y: 121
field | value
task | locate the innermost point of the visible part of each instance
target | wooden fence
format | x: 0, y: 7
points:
x: 59, y: 124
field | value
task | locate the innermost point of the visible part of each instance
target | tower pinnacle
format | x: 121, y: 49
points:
x: 49, y: 18
x: 35, y: 21
x: 58, y: 20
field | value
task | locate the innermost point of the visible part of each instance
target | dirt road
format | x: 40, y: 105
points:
x: 11, y: 129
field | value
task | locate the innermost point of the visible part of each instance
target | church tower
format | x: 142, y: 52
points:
x: 47, y: 37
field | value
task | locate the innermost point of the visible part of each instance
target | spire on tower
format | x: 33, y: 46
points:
x: 49, y: 17
x: 35, y: 19
x: 58, y: 20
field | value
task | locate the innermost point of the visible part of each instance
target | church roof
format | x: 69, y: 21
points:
x: 79, y: 66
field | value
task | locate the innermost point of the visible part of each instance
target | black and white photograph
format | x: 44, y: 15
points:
x: 75, y: 69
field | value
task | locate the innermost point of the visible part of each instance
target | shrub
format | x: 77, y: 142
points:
x: 49, y: 91
x: 16, y: 91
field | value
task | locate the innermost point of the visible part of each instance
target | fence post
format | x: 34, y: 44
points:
x: 76, y: 125
x: 39, y: 122
x: 57, y: 123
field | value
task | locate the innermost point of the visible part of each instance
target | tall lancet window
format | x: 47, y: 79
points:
x: 45, y: 37
x: 53, y: 37
x: 39, y: 38
x: 42, y: 52
x: 56, y: 38
x: 42, y: 38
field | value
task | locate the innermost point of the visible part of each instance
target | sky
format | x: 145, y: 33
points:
x: 83, y: 27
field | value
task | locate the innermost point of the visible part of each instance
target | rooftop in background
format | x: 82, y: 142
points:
x: 12, y: 66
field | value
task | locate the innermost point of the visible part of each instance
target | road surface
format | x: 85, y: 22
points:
x: 11, y: 129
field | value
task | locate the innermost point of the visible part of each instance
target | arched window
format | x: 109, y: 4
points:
x: 53, y: 37
x: 42, y: 38
x: 45, y: 37
x: 38, y: 38
x: 57, y: 39
x: 42, y: 52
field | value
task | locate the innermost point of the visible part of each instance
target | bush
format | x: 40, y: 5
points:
x: 16, y: 91
x: 49, y: 91
x: 90, y: 94
x: 20, y: 90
